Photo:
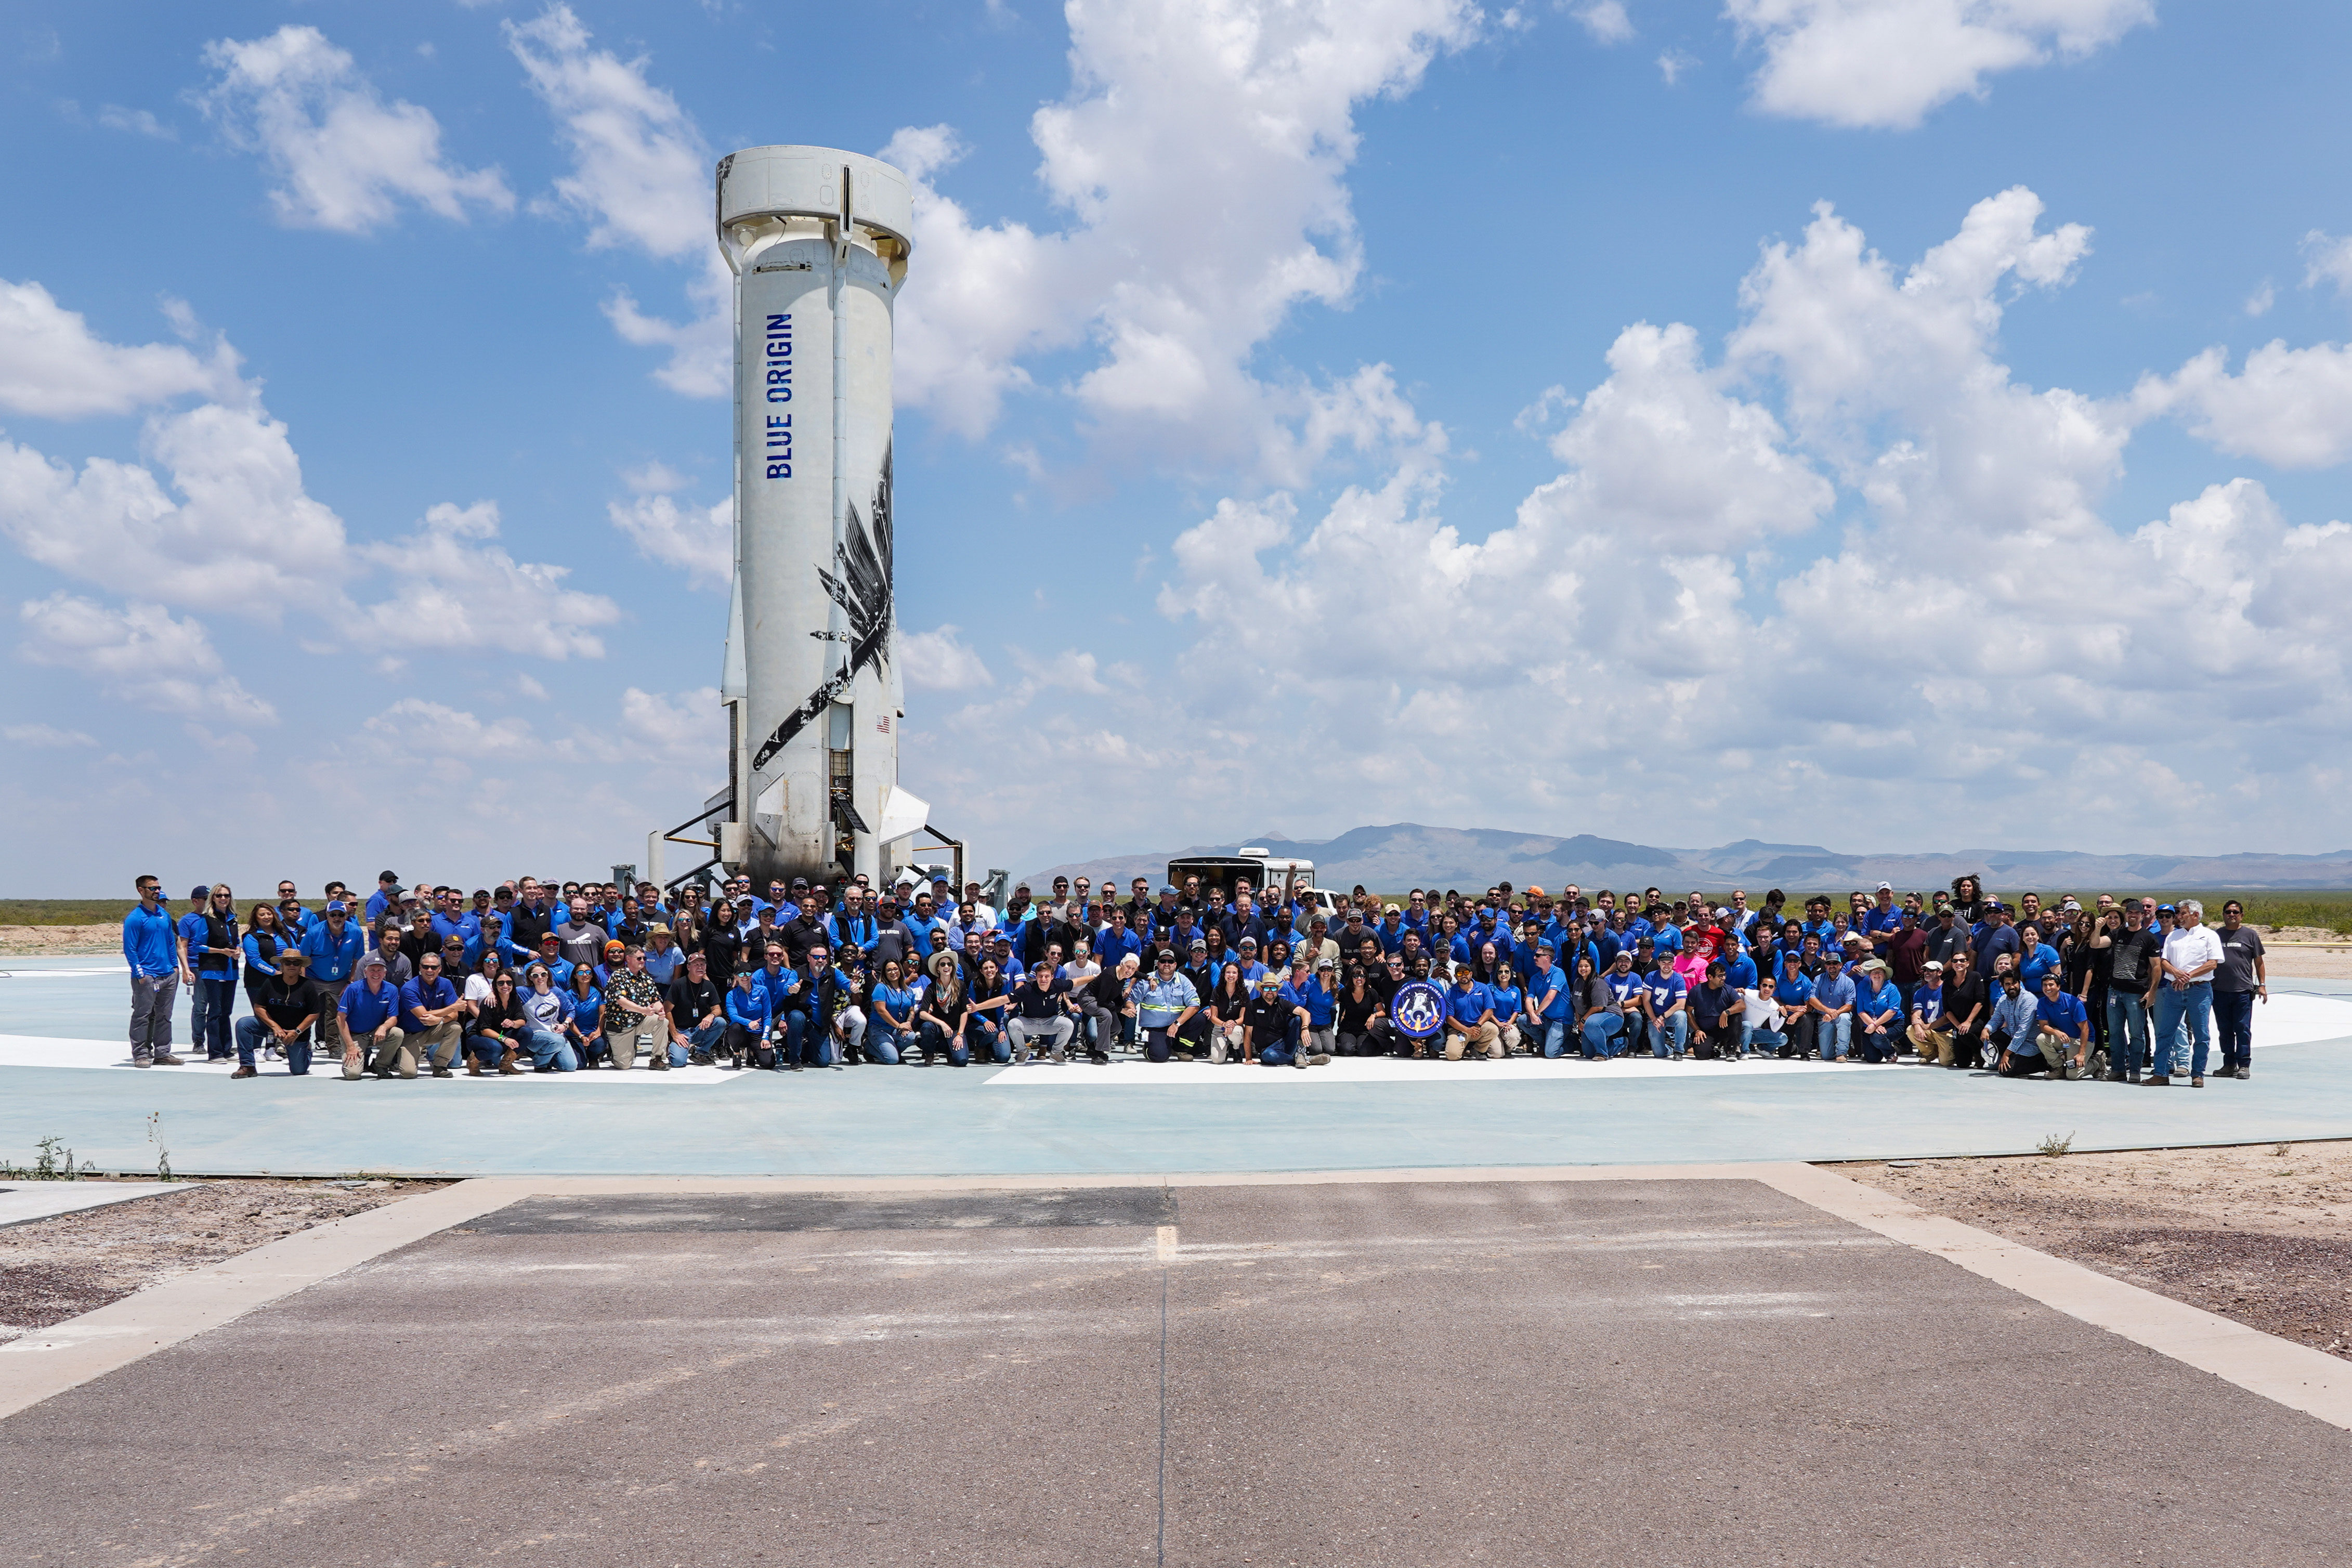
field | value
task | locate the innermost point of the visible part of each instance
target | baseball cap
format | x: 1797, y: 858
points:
x: 1885, y: 887
x: 372, y: 961
x: 1535, y: 892
x: 1199, y: 945
x: 337, y: 908
x: 201, y: 890
x: 2167, y: 908
x: 1933, y: 964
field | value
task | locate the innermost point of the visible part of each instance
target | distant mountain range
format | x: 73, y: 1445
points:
x: 1407, y: 854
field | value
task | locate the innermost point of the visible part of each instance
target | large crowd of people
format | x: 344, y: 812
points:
x: 533, y: 976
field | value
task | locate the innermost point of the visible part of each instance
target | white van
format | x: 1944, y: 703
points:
x: 1264, y: 869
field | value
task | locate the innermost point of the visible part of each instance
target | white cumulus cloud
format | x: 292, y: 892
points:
x: 2288, y: 406
x: 1886, y: 63
x: 54, y: 366
x: 699, y: 540
x: 46, y: 737
x: 1199, y: 160
x: 453, y: 588
x: 344, y: 158
x: 139, y: 654
x: 641, y: 176
x: 1850, y: 570
x: 940, y: 660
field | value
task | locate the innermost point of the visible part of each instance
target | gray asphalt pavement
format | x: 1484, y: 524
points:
x: 1692, y: 1372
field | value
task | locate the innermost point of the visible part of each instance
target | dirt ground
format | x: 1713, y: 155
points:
x: 2259, y: 1233
x: 58, y: 942
x: 52, y: 1269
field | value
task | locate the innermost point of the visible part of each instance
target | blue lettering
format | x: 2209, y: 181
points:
x: 780, y: 394
x: 780, y: 471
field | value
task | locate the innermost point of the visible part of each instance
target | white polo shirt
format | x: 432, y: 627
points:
x: 2188, y: 948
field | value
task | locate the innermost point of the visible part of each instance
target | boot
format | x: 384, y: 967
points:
x: 506, y: 1068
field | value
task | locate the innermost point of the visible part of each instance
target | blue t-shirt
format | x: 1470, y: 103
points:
x: 1508, y: 1002
x: 1927, y: 1002
x: 1467, y: 1005
x: 364, y: 1013
x: 1875, y: 1000
x: 588, y: 1011
x: 1665, y: 988
x: 2034, y: 965
x: 1666, y: 938
x: 1792, y: 991
x: 1623, y: 988
x: 2064, y: 1014
x: 1740, y: 973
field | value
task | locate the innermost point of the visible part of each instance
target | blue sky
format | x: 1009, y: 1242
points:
x: 1812, y: 419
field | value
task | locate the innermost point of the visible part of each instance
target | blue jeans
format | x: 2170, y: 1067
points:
x: 488, y: 1048
x: 2233, y: 1019
x: 1882, y: 1047
x: 984, y: 1034
x: 1670, y: 1034
x: 805, y: 1043
x: 926, y: 1037
x: 882, y: 1043
x: 1552, y: 1033
x: 2127, y: 1047
x: 1604, y: 1034
x: 252, y: 1032
x: 548, y: 1049
x: 211, y: 1000
x: 2186, y: 1009
x: 701, y: 1040
x: 1835, y: 1032
x: 1765, y: 1041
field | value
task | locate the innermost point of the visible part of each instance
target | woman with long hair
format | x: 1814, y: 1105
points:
x: 1510, y: 1003
x: 495, y: 1031
x: 985, y: 1012
x: 1226, y: 1004
x: 263, y: 937
x: 585, y: 1028
x: 1968, y: 897
x: 545, y: 1012
x: 941, y: 1011
x: 1361, y: 1009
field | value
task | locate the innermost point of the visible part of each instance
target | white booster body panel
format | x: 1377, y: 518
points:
x: 817, y: 241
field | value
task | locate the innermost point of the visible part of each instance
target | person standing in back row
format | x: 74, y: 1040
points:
x: 2245, y: 975
x: 151, y: 946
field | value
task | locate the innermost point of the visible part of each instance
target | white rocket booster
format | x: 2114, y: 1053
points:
x: 817, y: 241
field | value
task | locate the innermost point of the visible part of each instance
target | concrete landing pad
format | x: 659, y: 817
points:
x: 1690, y: 1372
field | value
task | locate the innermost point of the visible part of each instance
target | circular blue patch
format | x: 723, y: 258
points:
x: 1419, y: 1009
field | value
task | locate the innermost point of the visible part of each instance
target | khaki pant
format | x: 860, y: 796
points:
x: 1510, y: 1039
x: 1484, y: 1036
x: 1224, y: 1040
x: 623, y: 1043
x: 401, y: 1051
x: 1933, y: 1045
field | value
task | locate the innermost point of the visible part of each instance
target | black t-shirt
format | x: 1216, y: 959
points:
x: 690, y: 1001
x: 1708, y: 1001
x: 1231, y: 1008
x: 1356, y: 1012
x: 720, y: 948
x: 798, y: 936
x: 1032, y: 1001
x: 1268, y: 1019
x: 2131, y: 959
x: 290, y: 1005
x: 1962, y: 996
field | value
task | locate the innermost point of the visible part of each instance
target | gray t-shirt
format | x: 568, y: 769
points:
x: 2239, y: 947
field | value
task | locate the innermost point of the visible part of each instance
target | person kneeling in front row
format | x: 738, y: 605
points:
x: 429, y: 1030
